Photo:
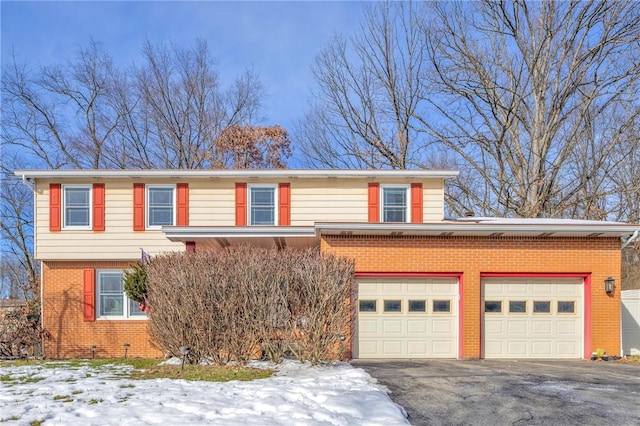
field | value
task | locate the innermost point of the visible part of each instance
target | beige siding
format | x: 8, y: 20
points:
x: 433, y: 200
x: 117, y: 242
x: 328, y: 201
x: 211, y: 203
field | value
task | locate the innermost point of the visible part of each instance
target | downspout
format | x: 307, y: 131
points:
x: 631, y: 239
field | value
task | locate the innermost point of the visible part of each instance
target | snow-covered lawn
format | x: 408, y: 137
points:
x: 296, y: 394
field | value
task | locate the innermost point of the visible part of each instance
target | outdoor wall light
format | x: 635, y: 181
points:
x: 609, y: 285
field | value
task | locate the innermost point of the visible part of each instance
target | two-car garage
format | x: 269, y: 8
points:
x: 521, y: 317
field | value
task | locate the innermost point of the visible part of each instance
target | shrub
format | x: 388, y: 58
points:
x: 240, y: 302
x: 135, y: 283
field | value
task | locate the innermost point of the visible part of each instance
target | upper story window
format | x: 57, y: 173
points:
x: 395, y: 203
x: 160, y: 205
x: 112, y: 300
x: 262, y: 205
x: 76, y: 201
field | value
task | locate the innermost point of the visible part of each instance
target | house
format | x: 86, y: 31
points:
x: 427, y: 286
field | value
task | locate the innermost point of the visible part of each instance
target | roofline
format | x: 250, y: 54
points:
x: 603, y: 228
x: 235, y: 174
x: 596, y: 230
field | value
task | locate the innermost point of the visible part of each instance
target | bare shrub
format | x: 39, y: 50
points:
x: 240, y: 303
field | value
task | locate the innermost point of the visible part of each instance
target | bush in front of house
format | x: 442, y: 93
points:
x: 245, y: 302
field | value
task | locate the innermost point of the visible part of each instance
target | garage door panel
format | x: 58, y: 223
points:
x: 392, y: 347
x: 416, y: 333
x: 392, y: 326
x: 550, y: 333
x: 417, y: 326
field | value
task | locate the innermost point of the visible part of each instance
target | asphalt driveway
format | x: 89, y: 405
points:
x: 507, y: 392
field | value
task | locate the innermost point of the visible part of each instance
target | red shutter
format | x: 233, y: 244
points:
x: 55, y: 210
x: 183, y: 204
x: 98, y: 206
x: 241, y: 204
x: 284, y: 202
x: 89, y: 295
x: 374, y: 202
x: 138, y: 206
x: 416, y: 203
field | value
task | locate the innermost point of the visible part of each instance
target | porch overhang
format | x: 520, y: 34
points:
x: 260, y: 236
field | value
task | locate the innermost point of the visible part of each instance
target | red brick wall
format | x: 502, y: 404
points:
x: 69, y: 335
x: 472, y: 256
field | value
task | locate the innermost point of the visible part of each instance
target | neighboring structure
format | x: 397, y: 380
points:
x: 427, y: 287
x: 631, y: 322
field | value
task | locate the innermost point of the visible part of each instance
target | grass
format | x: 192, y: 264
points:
x: 632, y: 359
x: 145, y: 369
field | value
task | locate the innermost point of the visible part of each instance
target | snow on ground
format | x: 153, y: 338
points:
x: 297, y: 394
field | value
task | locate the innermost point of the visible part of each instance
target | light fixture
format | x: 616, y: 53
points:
x: 609, y: 285
x: 93, y: 351
x: 126, y: 349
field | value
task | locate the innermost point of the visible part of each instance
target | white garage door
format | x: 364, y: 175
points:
x: 532, y: 318
x: 407, y: 318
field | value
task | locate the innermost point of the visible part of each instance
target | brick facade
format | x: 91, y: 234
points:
x: 69, y: 335
x: 473, y: 256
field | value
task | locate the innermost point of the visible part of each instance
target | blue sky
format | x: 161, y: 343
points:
x: 278, y: 40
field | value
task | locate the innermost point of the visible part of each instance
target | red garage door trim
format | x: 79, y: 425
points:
x: 458, y: 275
x: 586, y: 277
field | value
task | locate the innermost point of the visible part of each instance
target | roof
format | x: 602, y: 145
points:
x: 280, y: 236
x: 235, y: 174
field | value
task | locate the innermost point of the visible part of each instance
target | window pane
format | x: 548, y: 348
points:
x: 77, y: 216
x: 493, y: 306
x: 367, y: 306
x: 262, y: 196
x: 111, y: 283
x: 441, y: 306
x: 111, y: 304
x: 160, y: 206
x: 263, y: 206
x: 394, y: 204
x: 134, y: 309
x: 77, y: 197
x: 417, y: 306
x: 76, y: 206
x: 159, y: 197
x: 392, y: 306
x: 541, y: 307
x: 566, y: 307
x: 518, y: 307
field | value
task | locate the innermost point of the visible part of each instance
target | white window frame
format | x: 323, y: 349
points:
x: 407, y: 213
x: 275, y: 201
x: 147, y: 203
x: 64, y: 207
x: 126, y: 313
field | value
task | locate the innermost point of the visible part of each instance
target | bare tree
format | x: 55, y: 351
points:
x: 535, y: 98
x: 369, y: 90
x: 535, y: 102
x: 178, y: 109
